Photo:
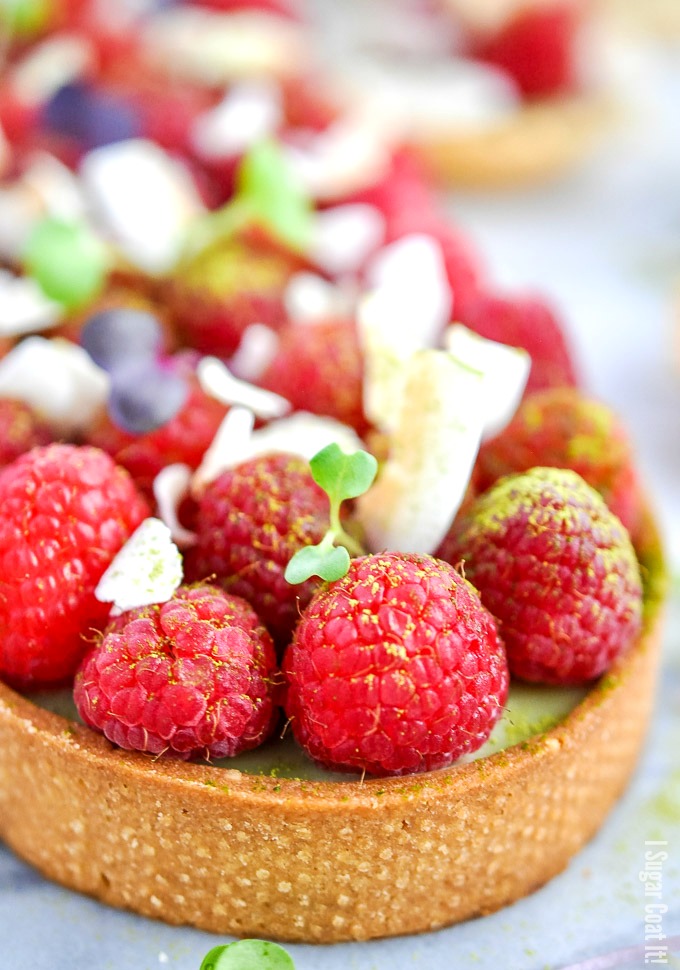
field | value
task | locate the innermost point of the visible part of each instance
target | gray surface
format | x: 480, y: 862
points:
x: 603, y: 245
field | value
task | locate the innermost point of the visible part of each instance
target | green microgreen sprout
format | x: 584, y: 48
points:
x: 341, y: 476
x: 248, y: 955
x: 267, y: 193
x: 67, y: 260
x: 25, y: 18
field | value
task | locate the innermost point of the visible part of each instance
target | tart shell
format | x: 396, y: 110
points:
x: 323, y: 861
x: 536, y: 144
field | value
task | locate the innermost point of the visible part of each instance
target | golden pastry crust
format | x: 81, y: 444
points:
x: 659, y: 18
x: 323, y: 861
x: 535, y: 144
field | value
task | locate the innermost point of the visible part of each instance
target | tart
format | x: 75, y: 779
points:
x: 239, y: 847
x: 324, y: 861
x: 458, y: 83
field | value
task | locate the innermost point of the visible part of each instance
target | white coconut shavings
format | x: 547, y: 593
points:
x: 20, y: 209
x: 505, y: 372
x: 230, y: 446
x: 344, y: 236
x: 350, y: 154
x: 492, y: 15
x: 406, y: 310
x: 433, y: 96
x: 258, y: 348
x: 57, y: 188
x: 433, y: 449
x: 302, y: 434
x: 249, y: 112
x: 144, y: 198
x: 217, y: 381
x: 214, y: 48
x: 148, y: 569
x: 309, y: 299
x: 58, y: 379
x: 50, y: 65
x: 170, y: 487
x: 46, y: 187
x: 24, y: 308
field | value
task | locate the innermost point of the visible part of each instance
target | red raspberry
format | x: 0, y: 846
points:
x: 280, y: 7
x: 66, y: 511
x: 308, y: 102
x: 403, y: 192
x: 319, y: 368
x: 557, y: 570
x: 395, y: 668
x: 20, y: 430
x: 538, y: 48
x: 563, y: 429
x: 250, y: 523
x: 219, y: 292
x: 193, y: 677
x: 185, y: 438
x: 462, y: 267
x: 528, y: 323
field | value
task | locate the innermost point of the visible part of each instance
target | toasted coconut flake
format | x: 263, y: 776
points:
x: 258, y: 348
x: 433, y: 449
x: 505, y: 373
x: 214, y: 47
x: 216, y: 379
x: 24, y: 308
x: 230, y: 446
x: 59, y: 380
x: 345, y: 236
x: 249, y: 112
x: 148, y: 569
x: 406, y: 310
x: 310, y: 298
x: 170, y: 487
x: 144, y: 199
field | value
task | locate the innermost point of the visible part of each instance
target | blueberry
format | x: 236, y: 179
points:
x: 65, y: 111
x: 114, y: 338
x: 145, y: 396
x: 91, y: 117
x: 110, y: 119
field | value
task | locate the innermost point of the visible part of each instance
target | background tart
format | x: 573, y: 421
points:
x: 324, y: 861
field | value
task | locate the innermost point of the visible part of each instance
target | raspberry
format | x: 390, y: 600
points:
x: 193, y: 677
x: 557, y: 570
x: 402, y: 195
x: 308, y: 102
x: 564, y: 429
x: 250, y: 523
x: 538, y: 49
x: 20, y: 430
x: 528, y: 323
x: 395, y: 668
x: 279, y: 7
x: 66, y: 513
x: 319, y: 368
x: 219, y: 292
x: 185, y: 439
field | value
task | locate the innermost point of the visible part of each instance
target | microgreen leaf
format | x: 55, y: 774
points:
x: 68, y: 261
x: 248, y: 955
x: 267, y: 184
x: 25, y: 18
x: 343, y: 476
x: 330, y: 564
x: 267, y: 193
